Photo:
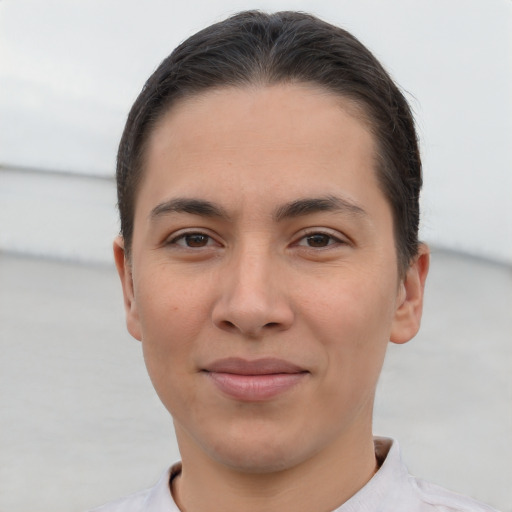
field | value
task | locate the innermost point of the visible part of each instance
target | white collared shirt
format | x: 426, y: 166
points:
x: 392, y: 489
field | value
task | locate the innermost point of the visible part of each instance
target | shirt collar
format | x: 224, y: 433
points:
x: 160, y: 498
x: 381, y: 491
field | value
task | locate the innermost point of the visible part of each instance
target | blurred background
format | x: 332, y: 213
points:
x: 79, y: 422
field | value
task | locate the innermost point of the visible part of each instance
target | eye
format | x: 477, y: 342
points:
x: 192, y: 240
x: 319, y: 240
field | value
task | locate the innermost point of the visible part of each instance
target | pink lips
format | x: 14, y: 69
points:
x: 254, y: 381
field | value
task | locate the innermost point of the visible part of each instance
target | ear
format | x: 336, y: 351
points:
x: 124, y: 270
x: 406, y: 322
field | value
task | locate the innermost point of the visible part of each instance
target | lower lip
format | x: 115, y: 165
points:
x: 255, y: 388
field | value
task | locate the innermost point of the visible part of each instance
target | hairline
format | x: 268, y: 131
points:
x: 349, y: 103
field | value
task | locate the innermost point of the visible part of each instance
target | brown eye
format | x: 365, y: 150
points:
x: 192, y: 240
x: 319, y: 240
x: 196, y: 240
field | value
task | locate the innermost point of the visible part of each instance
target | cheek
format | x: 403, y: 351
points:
x: 352, y: 319
x: 170, y: 325
x: 171, y: 317
x: 354, y: 308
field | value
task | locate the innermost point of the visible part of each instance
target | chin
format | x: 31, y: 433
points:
x: 255, y: 459
x: 254, y: 450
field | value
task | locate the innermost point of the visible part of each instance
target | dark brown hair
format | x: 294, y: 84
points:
x: 258, y: 48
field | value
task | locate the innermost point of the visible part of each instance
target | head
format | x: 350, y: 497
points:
x: 268, y: 182
x: 254, y: 48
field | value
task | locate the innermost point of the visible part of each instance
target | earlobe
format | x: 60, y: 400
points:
x: 406, y: 322
x: 125, y: 274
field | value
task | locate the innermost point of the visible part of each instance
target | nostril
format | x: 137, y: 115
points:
x: 226, y: 324
x: 252, y: 315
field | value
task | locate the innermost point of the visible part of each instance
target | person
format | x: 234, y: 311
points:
x: 268, y: 187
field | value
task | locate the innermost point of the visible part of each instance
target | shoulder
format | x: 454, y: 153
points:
x: 132, y: 503
x: 155, y: 499
x: 394, y: 489
x: 436, y: 498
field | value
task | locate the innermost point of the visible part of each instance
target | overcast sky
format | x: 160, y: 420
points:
x: 69, y: 71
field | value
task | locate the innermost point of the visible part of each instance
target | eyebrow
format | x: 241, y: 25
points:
x: 293, y: 209
x: 186, y: 205
x: 308, y: 206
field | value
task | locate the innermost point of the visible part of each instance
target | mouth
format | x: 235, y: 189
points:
x: 254, y: 381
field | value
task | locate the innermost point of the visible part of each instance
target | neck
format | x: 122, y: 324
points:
x: 322, y: 483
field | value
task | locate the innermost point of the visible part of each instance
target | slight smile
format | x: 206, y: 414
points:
x: 254, y: 381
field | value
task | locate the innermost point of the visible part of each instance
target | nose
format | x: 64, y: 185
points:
x: 253, y: 299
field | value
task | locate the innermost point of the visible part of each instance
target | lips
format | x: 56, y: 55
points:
x: 254, y: 381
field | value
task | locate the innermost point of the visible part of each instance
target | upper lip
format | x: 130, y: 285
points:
x: 263, y: 366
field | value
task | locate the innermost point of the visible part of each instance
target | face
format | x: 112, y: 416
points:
x: 263, y: 276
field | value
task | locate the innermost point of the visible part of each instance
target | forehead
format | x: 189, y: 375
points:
x: 293, y: 127
x: 274, y: 112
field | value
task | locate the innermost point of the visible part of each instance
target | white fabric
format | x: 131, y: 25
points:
x: 391, y: 489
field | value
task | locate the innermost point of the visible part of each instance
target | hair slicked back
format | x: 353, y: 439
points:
x: 255, y: 48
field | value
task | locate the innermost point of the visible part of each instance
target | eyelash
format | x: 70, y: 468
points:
x: 332, y: 240
x: 183, y: 237
x: 324, y: 236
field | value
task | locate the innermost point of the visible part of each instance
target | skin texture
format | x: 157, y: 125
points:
x: 316, y: 286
